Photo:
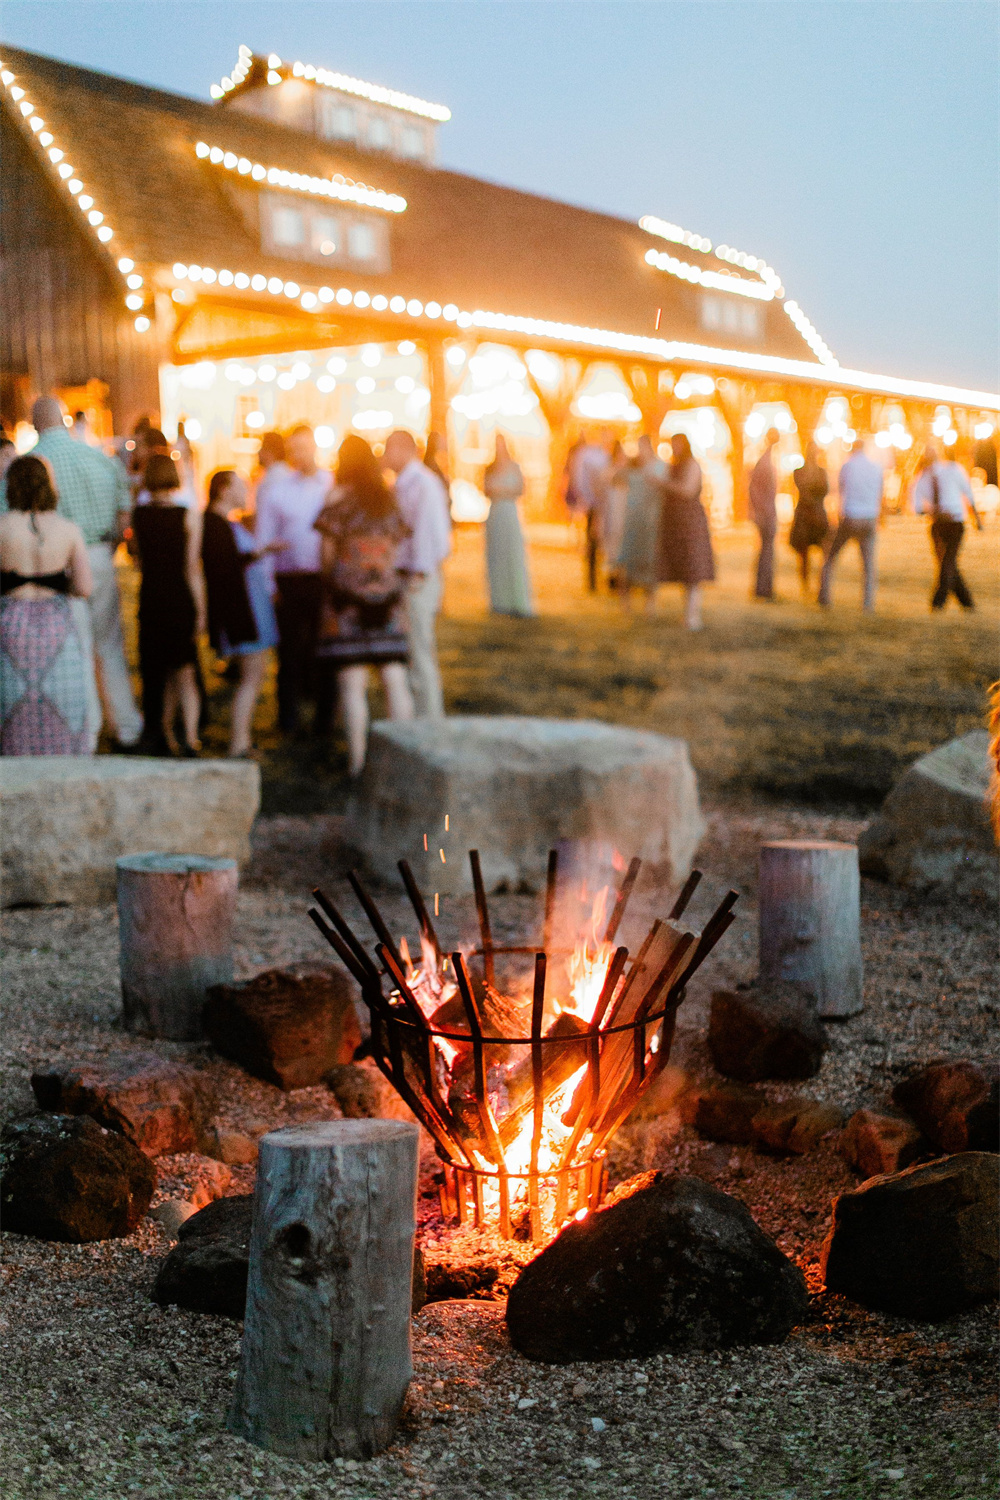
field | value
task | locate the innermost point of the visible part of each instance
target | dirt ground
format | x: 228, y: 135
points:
x: 109, y: 1396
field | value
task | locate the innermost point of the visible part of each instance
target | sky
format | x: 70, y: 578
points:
x: 853, y: 144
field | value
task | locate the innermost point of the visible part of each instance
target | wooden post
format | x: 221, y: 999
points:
x: 810, y: 918
x: 175, y: 934
x: 326, y: 1342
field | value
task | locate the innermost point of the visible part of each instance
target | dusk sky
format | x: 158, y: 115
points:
x: 853, y: 144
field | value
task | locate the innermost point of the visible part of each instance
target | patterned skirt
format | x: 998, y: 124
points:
x: 46, y: 670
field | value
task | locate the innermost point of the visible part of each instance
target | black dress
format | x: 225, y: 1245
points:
x: 166, y: 607
x: 809, y: 524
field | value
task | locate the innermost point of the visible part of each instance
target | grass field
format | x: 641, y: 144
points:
x: 776, y: 700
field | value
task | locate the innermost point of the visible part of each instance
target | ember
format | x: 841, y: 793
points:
x: 523, y: 1093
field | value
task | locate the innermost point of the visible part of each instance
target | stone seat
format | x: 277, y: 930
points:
x: 513, y: 788
x: 65, y: 819
x: 933, y: 831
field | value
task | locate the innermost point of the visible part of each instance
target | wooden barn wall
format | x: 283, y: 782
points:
x: 62, y: 318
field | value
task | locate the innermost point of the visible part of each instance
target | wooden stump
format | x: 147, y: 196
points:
x: 810, y: 918
x: 175, y: 932
x: 326, y: 1342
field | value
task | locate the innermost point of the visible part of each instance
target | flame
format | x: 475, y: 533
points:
x: 591, y: 956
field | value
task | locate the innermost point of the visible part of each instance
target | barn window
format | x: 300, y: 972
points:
x: 287, y: 226
x: 361, y: 242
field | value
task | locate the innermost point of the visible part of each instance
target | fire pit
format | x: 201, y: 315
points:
x: 522, y: 1083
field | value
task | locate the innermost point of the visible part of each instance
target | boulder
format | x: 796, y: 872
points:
x: 514, y: 788
x: 289, y: 1029
x: 207, y: 1269
x: 874, y: 1144
x: 68, y: 818
x: 363, y: 1092
x: 768, y: 1032
x: 795, y: 1127
x: 921, y: 1243
x: 669, y: 1263
x: 64, y: 1177
x: 723, y: 1111
x: 933, y: 831
x: 171, y: 1214
x: 956, y: 1103
x: 459, y: 1278
x: 163, y: 1107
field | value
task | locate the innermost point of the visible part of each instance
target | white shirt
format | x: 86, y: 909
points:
x: 423, y: 502
x: 953, y: 490
x: 288, y: 504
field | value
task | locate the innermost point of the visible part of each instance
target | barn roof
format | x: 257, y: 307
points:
x: 527, y: 266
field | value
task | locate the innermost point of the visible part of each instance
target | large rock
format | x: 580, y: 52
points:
x: 364, y: 1092
x: 771, y: 1032
x: 289, y: 1029
x: 723, y: 1111
x: 66, y: 819
x: 933, y: 832
x: 206, y: 1271
x: 513, y: 789
x: 671, y: 1263
x: 920, y: 1243
x: 955, y: 1103
x: 162, y: 1107
x: 874, y: 1144
x: 795, y: 1126
x: 64, y: 1177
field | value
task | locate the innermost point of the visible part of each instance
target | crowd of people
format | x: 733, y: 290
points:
x: 645, y: 518
x: 340, y: 572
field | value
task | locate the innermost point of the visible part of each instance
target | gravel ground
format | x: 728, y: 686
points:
x: 109, y: 1396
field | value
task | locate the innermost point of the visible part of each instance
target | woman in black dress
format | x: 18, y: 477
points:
x: 363, y: 623
x: 685, y: 541
x: 810, y: 525
x: 167, y: 538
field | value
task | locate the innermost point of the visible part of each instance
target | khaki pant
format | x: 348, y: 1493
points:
x: 422, y: 605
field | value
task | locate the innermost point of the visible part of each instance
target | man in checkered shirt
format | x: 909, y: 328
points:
x: 94, y: 492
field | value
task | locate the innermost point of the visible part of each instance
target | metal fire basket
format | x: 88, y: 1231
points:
x: 510, y: 1079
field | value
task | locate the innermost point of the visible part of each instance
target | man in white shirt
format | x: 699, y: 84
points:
x: 423, y: 501
x: 859, y: 485
x: 942, y: 491
x: 289, y: 499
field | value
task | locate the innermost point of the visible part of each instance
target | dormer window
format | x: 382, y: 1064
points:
x: 338, y: 122
x: 288, y: 228
x: 379, y: 134
x: 309, y: 231
x: 411, y: 141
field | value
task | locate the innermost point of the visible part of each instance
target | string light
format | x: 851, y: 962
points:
x: 342, y: 188
x: 768, y: 277
x: 277, y: 71
x: 666, y: 350
x: 819, y: 346
x: 715, y: 279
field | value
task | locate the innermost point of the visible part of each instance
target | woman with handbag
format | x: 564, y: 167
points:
x: 363, y: 620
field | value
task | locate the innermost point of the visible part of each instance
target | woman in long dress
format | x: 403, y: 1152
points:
x: 810, y: 524
x: 613, y: 515
x: 506, y: 564
x: 363, y: 623
x: 241, y: 622
x: 638, y: 555
x: 46, y: 662
x: 167, y: 538
x: 685, y: 541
